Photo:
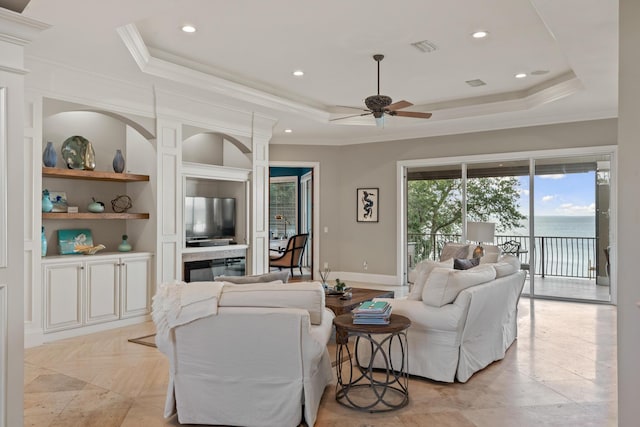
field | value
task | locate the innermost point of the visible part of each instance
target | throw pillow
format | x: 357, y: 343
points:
x: 454, y: 250
x: 511, y: 259
x: 425, y: 268
x: 444, y: 285
x: 504, y: 269
x: 465, y: 264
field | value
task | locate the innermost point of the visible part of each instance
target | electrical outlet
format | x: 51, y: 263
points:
x: 365, y: 265
x: 326, y: 265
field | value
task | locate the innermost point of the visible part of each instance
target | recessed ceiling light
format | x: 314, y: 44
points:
x: 288, y: 131
x: 520, y: 75
x: 189, y: 29
x: 298, y: 73
x: 479, y: 34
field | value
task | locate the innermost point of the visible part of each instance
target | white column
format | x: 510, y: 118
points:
x: 16, y: 31
x: 259, y: 253
x: 169, y: 204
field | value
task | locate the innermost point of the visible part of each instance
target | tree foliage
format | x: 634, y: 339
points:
x: 435, y: 207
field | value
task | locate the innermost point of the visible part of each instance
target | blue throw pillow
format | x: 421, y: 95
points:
x: 465, y: 264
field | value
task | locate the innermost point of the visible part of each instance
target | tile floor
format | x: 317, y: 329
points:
x: 560, y: 372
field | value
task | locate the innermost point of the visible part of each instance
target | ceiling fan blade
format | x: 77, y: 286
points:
x: 399, y: 105
x: 415, y: 114
x: 348, y: 117
x: 351, y: 108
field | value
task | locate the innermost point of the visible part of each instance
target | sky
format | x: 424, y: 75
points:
x: 561, y: 194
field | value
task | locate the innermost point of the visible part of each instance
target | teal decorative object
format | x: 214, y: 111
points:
x: 95, y: 206
x: 118, y: 162
x: 69, y: 239
x: 47, y: 205
x: 49, y: 156
x: 43, y: 240
x: 125, y: 246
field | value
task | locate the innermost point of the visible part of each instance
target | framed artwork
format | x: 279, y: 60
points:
x: 367, y: 205
x: 68, y: 239
x: 59, y: 201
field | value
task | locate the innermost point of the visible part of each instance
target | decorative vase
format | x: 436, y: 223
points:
x: 89, y: 160
x: 118, y: 162
x: 43, y: 240
x: 49, y: 156
x: 47, y: 204
x: 95, y: 206
x: 124, y: 246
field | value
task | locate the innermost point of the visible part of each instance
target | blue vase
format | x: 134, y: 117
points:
x: 118, y: 162
x: 49, y: 156
x: 47, y: 204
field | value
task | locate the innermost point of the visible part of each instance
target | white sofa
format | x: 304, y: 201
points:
x: 244, y: 355
x: 461, y: 320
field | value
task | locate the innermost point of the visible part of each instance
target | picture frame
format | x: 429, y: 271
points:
x: 59, y: 201
x: 367, y: 202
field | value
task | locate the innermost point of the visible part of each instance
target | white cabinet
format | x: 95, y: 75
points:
x: 135, y: 286
x: 83, y: 291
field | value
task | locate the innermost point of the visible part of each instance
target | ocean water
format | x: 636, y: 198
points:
x: 558, y: 226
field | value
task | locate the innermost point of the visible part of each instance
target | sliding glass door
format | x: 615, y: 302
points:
x: 565, y: 200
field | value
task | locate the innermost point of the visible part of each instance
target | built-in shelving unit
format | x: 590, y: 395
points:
x: 90, y: 215
x: 93, y: 176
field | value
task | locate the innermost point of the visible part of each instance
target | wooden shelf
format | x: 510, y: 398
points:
x: 92, y: 175
x: 89, y: 215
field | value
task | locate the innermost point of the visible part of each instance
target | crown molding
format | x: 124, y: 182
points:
x: 21, y: 29
x: 178, y: 73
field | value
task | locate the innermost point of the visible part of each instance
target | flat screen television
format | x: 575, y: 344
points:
x: 209, y: 217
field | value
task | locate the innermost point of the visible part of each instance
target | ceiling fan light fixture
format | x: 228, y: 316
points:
x: 380, y: 121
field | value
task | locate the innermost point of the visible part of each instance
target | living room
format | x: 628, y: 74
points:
x: 343, y: 167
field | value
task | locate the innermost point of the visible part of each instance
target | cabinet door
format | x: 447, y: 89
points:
x: 103, y: 289
x: 62, y: 296
x: 135, y: 275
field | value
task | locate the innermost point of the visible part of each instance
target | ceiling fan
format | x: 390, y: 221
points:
x: 379, y: 105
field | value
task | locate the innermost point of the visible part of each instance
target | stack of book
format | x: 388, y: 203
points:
x: 372, y: 313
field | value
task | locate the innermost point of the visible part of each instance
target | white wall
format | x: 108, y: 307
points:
x: 628, y: 216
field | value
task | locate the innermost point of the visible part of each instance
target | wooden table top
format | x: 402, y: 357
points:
x: 359, y: 295
x: 397, y: 323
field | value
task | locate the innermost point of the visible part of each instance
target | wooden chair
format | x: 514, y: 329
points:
x: 292, y: 255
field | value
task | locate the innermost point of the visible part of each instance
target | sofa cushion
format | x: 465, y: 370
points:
x: 267, y: 277
x: 305, y: 295
x: 443, y: 285
x: 454, y: 250
x: 491, y: 254
x: 511, y: 259
x: 423, y: 269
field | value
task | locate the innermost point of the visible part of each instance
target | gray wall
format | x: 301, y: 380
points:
x: 628, y: 216
x: 343, y: 169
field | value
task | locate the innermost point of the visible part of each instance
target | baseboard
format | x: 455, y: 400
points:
x: 84, y: 330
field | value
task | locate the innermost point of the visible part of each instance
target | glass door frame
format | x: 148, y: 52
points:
x: 403, y: 166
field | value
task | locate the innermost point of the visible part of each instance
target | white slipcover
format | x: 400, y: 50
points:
x: 458, y: 339
x: 252, y: 366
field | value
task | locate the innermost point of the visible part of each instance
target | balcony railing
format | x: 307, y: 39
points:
x: 555, y: 256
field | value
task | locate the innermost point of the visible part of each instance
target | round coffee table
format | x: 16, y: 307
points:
x: 362, y: 386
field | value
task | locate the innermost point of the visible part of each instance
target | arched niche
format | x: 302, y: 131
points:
x: 214, y: 148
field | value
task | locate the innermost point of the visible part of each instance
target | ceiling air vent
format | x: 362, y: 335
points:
x: 475, y: 83
x: 425, y: 46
